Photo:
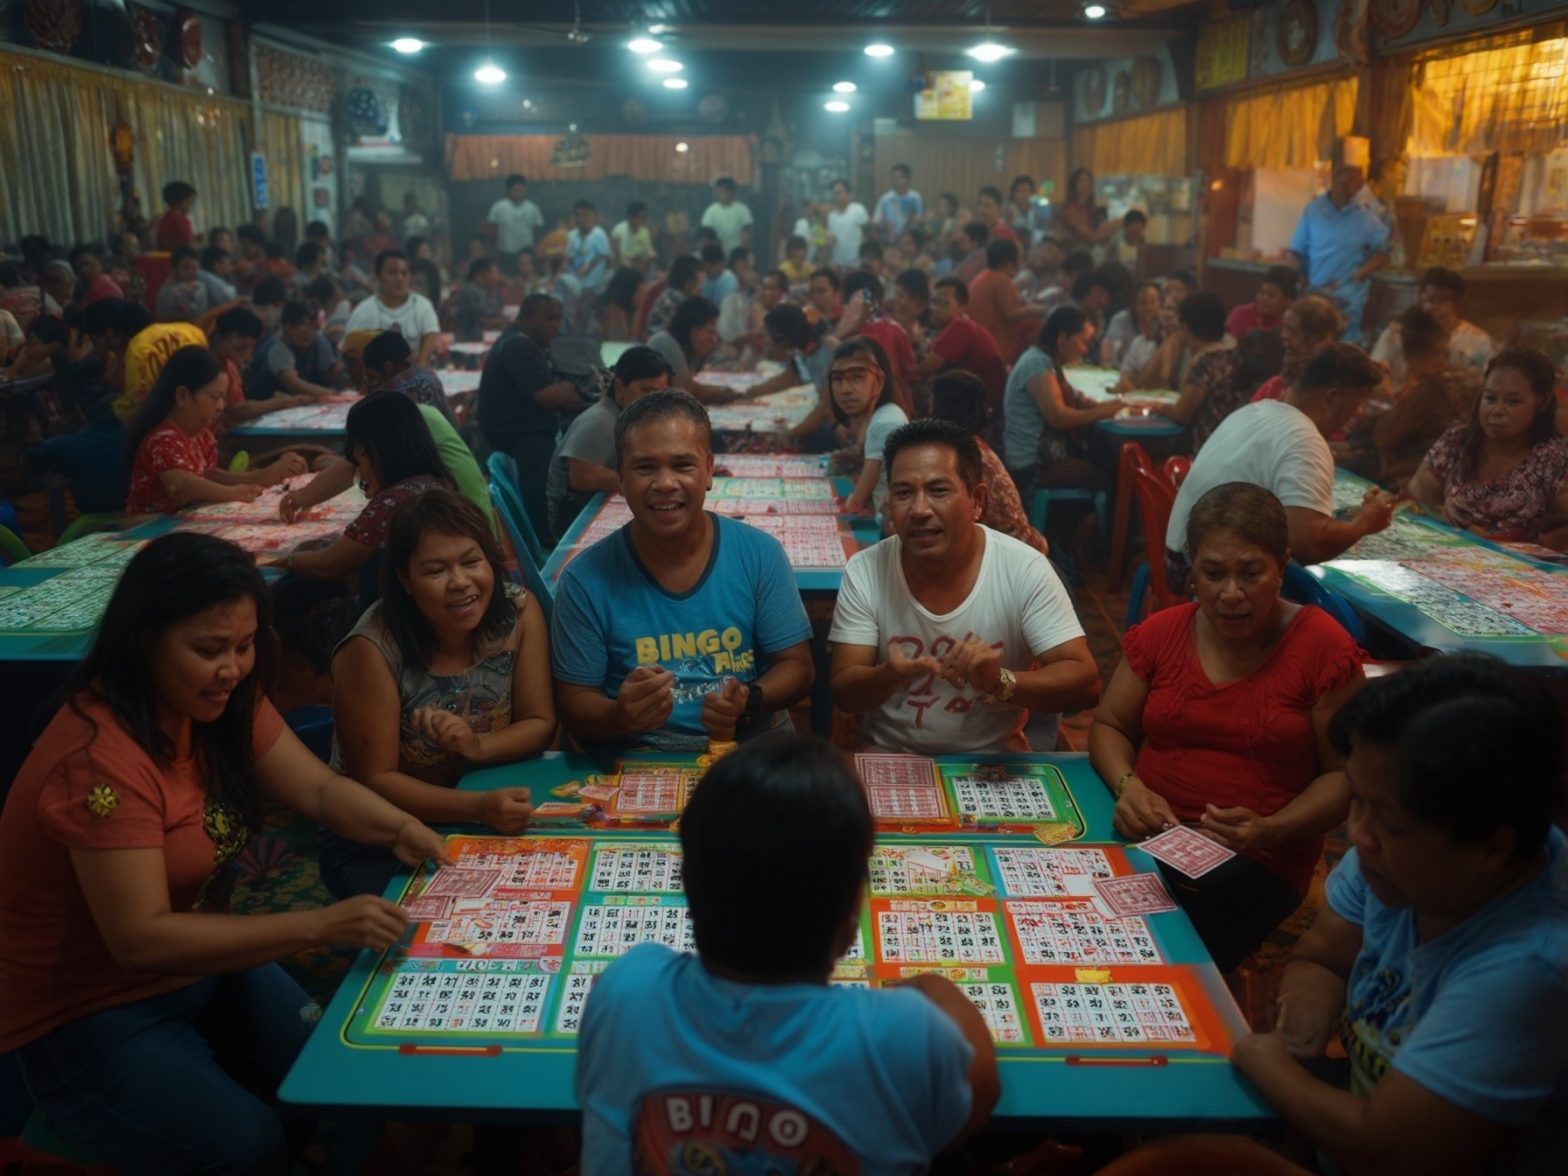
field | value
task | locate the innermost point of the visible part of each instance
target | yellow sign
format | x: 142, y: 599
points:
x: 948, y: 97
x: 1223, y: 49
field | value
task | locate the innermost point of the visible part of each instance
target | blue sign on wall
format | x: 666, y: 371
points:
x: 258, y: 181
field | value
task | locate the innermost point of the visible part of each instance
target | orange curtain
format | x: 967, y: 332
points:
x: 651, y: 158
x: 1289, y: 128
x: 1508, y: 94
x: 964, y: 165
x: 1151, y: 144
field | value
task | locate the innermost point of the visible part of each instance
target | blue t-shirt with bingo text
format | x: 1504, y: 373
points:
x: 612, y: 616
x: 1477, y: 1016
x: 678, y: 1063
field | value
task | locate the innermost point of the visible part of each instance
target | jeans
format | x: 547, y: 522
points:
x: 349, y: 868
x: 141, y: 1088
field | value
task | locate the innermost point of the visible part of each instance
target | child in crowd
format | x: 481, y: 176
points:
x: 864, y: 402
x: 174, y: 455
x: 182, y: 298
x: 876, y: 1081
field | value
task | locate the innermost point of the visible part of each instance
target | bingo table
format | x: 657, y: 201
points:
x: 1446, y: 590
x: 986, y: 869
x: 322, y: 423
x: 1136, y: 421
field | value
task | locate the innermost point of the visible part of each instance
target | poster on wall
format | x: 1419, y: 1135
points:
x: 947, y: 98
x: 321, y: 170
x: 260, y: 196
x: 1223, y: 49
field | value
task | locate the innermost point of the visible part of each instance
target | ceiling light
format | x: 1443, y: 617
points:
x: 989, y: 51
x: 879, y: 50
x: 643, y: 45
x: 682, y: 148
x: 843, y: 87
x: 408, y: 44
x: 675, y: 83
x: 490, y: 74
x: 658, y: 30
x: 1094, y: 11
x: 664, y: 65
x: 837, y: 106
x: 976, y: 85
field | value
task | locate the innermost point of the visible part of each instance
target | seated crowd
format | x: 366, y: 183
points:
x: 943, y: 351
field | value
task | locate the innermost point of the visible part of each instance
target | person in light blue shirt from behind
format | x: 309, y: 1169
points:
x: 1341, y: 243
x: 718, y: 280
x: 1441, y: 959
x: 742, y: 1057
x: 900, y: 206
x: 682, y: 628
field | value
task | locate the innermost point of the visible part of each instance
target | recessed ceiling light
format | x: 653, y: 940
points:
x: 989, y: 51
x: 658, y: 30
x: 879, y: 50
x: 1094, y: 11
x: 490, y: 74
x: 844, y: 87
x: 664, y: 65
x: 682, y: 148
x: 643, y: 45
x: 675, y: 83
x: 976, y: 85
x: 836, y: 106
x: 408, y: 44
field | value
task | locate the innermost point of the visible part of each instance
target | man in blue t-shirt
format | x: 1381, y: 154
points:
x: 1442, y: 957
x: 681, y: 628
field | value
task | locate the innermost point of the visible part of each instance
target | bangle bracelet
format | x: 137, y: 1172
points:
x: 1121, y: 783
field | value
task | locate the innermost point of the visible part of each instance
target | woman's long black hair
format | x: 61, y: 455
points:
x: 389, y: 428
x: 190, y: 368
x: 175, y: 577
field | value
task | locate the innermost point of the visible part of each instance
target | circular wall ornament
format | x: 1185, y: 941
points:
x: 1394, y: 18
x: 1094, y: 90
x: 1297, y: 33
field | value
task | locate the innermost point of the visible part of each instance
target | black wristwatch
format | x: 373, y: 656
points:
x: 753, y: 706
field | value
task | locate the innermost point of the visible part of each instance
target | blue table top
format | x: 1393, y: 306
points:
x: 534, y: 1084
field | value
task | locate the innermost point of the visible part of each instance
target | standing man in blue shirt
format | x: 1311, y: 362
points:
x: 900, y: 206
x: 682, y: 628
x: 1341, y: 244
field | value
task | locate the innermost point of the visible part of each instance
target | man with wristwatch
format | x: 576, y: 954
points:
x: 949, y: 636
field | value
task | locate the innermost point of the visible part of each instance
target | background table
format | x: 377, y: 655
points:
x: 532, y: 1082
x: 322, y: 424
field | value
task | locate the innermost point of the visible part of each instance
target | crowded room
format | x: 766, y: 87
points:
x: 1032, y: 536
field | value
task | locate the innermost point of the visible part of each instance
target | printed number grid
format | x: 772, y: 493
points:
x: 614, y: 930
x: 1038, y: 872
x: 505, y: 921
x: 1074, y: 932
x: 494, y: 1002
x: 1003, y: 797
x: 1111, y: 1013
x: 643, y: 869
x: 892, y: 873
x: 936, y: 937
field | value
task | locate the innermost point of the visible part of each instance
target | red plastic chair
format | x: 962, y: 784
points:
x: 1156, y: 496
x: 645, y: 307
x: 1176, y: 469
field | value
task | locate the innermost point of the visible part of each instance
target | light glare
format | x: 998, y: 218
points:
x: 879, y: 50
x: 644, y: 45
x: 490, y: 74
x: 844, y: 87
x: 408, y: 44
x: 675, y: 83
x: 989, y: 51
x: 665, y: 65
x: 837, y: 106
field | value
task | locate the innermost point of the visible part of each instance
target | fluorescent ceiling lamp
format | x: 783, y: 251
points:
x: 490, y: 74
x: 879, y: 50
x: 408, y: 44
x: 844, y: 87
x: 837, y: 106
x: 664, y: 65
x: 1095, y: 11
x: 989, y: 51
x: 976, y: 85
x: 643, y: 45
x: 675, y: 83
x: 682, y: 148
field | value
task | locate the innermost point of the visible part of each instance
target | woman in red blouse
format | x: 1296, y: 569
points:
x: 1218, y: 718
x: 173, y: 453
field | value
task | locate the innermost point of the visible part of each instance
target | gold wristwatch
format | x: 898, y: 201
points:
x: 1006, y: 684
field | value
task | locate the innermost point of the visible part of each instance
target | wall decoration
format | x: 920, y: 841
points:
x: 1394, y: 18
x: 54, y: 24
x: 1297, y: 32
x: 572, y: 151
x: 414, y: 116
x: 1478, y: 7
x: 291, y: 79
x: 713, y: 108
x: 1223, y: 46
x: 948, y: 97
x: 1146, y: 82
x: 1440, y: 10
x: 366, y: 114
x: 1094, y: 90
x: 1121, y: 92
x: 1350, y: 31
x: 186, y: 44
x: 146, y: 38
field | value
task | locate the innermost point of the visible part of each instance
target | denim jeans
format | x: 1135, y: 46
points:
x: 151, y: 1086
x: 349, y: 868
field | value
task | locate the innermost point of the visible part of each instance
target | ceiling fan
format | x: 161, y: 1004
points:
x: 576, y: 35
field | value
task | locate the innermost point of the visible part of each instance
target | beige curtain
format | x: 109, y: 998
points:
x: 1289, y: 128
x: 945, y: 162
x: 1510, y: 94
x: 653, y: 158
x: 57, y: 172
x: 278, y: 138
x: 1151, y: 144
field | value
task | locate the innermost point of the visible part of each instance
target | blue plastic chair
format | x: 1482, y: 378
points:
x: 313, y: 725
x: 1040, y: 506
x: 12, y: 549
x: 533, y: 580
x: 503, y: 476
x: 1302, y: 587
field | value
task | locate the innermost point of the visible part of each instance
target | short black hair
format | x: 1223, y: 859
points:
x: 1135, y: 217
x: 1340, y: 366
x: 176, y: 191
x: 516, y: 178
x: 636, y: 208
x: 789, y: 323
x: 180, y: 253
x: 1285, y: 279
x: 318, y: 230
x: 1453, y: 721
x: 739, y: 253
x: 772, y: 803
x: 958, y: 286
x: 993, y: 192
x: 125, y: 318
x: 308, y: 253
x: 682, y: 270
x: 387, y: 347
x: 859, y: 280
x: 212, y: 255
x: 977, y: 233
x: 901, y: 167
x: 295, y: 313
x: 1083, y: 284
x: 536, y: 304
x: 712, y: 252
x: 478, y: 266
x: 251, y: 234
x: 387, y: 255
x: 724, y: 182
x: 1001, y: 252
x: 1204, y: 316
x: 322, y: 289
x: 583, y: 205
x: 1064, y: 320
x: 830, y: 276
x: 1420, y: 334
x: 1441, y: 278
x: 1079, y: 261
x: 689, y: 315
x: 871, y: 249
x: 795, y: 242
x: 915, y: 283
x: 656, y: 406
x: 936, y: 431
x: 239, y: 321
x: 960, y: 397
x: 640, y: 363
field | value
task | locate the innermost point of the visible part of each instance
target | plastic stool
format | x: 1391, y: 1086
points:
x: 1040, y: 506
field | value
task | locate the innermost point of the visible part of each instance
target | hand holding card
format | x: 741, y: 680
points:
x: 1190, y: 852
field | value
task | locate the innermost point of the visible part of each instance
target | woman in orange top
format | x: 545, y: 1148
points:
x: 126, y: 991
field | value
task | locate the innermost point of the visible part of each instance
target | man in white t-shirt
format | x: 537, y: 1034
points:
x: 512, y: 222
x: 728, y: 217
x: 846, y: 224
x: 900, y: 206
x: 396, y: 307
x: 631, y: 240
x: 948, y: 634
x: 1442, y: 295
x: 1282, y: 445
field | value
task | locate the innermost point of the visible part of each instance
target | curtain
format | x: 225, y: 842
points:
x: 1151, y: 144
x: 1510, y: 95
x: 652, y: 158
x: 57, y: 172
x: 279, y: 138
x: 944, y: 162
x: 1289, y: 128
